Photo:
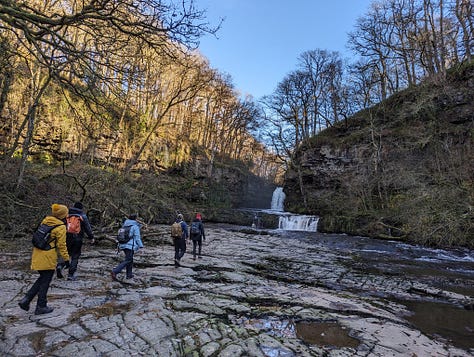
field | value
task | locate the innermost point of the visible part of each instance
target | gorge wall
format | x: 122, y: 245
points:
x: 400, y: 170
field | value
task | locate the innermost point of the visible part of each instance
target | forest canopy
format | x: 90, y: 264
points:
x: 117, y: 82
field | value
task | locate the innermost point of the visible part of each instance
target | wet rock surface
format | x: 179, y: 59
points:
x: 249, y: 295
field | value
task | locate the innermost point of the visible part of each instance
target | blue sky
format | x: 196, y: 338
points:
x: 260, y: 40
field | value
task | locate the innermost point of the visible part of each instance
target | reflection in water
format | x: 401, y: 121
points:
x: 447, y: 321
x: 329, y: 334
x: 325, y: 334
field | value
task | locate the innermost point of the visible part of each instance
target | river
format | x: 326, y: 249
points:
x: 439, y: 271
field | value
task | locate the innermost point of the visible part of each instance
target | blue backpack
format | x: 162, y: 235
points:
x: 195, y: 228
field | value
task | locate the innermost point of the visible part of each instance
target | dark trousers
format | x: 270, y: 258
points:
x: 127, y: 263
x: 40, y: 287
x: 179, y: 248
x: 74, y: 247
x: 197, y: 243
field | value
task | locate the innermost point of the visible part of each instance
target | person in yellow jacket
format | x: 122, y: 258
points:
x: 44, y: 261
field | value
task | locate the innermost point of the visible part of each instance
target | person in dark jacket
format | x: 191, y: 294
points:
x: 129, y: 248
x: 44, y: 261
x: 74, y: 241
x: 197, y: 234
x: 180, y: 243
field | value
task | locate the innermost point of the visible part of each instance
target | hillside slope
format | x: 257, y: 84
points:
x: 402, y: 169
x: 214, y: 190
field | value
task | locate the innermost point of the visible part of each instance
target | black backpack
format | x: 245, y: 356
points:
x: 195, y: 228
x: 42, y: 237
x: 123, y: 235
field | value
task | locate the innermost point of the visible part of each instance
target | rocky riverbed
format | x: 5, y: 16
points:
x: 266, y: 294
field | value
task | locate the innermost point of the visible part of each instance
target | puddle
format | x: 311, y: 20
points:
x: 446, y: 321
x: 328, y: 334
x: 325, y: 334
x: 272, y: 325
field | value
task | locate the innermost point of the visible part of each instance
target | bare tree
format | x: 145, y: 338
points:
x: 171, y: 89
x: 464, y: 12
x: 74, y: 41
x: 369, y: 39
x: 324, y: 70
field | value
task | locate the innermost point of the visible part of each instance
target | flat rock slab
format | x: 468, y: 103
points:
x: 247, y: 296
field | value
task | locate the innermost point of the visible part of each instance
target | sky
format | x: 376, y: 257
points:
x: 260, y: 40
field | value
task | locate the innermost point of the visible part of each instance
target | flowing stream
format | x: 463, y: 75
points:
x: 448, y: 270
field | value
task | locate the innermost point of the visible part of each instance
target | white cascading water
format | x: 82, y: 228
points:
x: 298, y: 223
x: 278, y: 198
x: 292, y: 222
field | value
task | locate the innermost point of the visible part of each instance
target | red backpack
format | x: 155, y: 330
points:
x: 73, y: 224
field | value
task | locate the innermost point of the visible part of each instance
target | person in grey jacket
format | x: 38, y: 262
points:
x: 129, y: 248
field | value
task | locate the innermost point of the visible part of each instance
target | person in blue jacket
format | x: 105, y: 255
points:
x: 197, y: 234
x: 129, y: 248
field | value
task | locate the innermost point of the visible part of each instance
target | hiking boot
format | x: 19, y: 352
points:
x: 194, y: 257
x: 114, y: 276
x: 176, y: 263
x: 72, y: 277
x: 200, y: 256
x: 24, y: 303
x: 43, y: 310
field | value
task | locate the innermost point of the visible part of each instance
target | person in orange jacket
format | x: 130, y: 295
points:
x: 44, y: 261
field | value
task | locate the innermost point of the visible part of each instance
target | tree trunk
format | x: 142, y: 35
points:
x: 6, y: 85
x: 30, y: 119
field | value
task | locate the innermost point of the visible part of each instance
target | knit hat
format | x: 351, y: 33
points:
x: 78, y: 205
x: 180, y: 217
x: 198, y: 216
x: 59, y: 211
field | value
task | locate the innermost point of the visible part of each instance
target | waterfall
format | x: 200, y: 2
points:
x: 298, y: 223
x: 288, y: 221
x: 278, y: 199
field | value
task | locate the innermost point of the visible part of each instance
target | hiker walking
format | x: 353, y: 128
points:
x: 179, y: 232
x: 197, y: 234
x: 44, y: 261
x: 78, y: 226
x: 129, y: 248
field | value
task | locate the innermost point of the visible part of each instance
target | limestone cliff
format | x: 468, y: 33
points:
x: 402, y: 169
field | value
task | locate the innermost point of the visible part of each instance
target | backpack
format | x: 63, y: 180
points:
x: 42, y: 235
x: 73, y: 224
x: 195, y: 228
x: 123, y: 235
x: 176, y: 230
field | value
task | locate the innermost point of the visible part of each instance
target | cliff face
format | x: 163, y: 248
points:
x: 402, y: 169
x: 229, y: 182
